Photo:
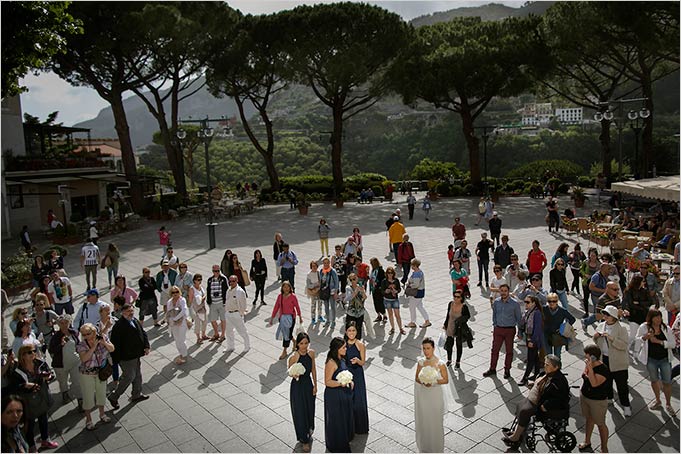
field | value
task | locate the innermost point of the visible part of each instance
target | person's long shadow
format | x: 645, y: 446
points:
x: 389, y: 349
x: 458, y: 384
x: 276, y: 374
x: 254, y: 312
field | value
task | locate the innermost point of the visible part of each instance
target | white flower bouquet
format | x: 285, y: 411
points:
x: 296, y: 370
x: 429, y: 375
x: 344, y: 378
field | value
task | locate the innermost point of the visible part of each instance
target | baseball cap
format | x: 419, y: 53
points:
x: 93, y: 291
x: 494, y: 213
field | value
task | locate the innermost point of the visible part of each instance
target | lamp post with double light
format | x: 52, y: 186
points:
x: 206, y: 134
x: 616, y: 115
x: 486, y: 130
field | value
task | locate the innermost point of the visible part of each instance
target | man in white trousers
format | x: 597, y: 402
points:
x: 235, y: 309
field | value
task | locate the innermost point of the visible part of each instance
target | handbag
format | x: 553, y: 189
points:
x: 410, y: 291
x: 442, y: 339
x: 247, y: 281
x: 105, y: 371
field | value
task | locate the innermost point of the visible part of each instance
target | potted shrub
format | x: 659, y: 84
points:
x: 302, y: 204
x: 16, y: 273
x: 579, y: 196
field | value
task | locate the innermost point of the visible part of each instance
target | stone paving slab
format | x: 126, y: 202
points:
x: 236, y: 402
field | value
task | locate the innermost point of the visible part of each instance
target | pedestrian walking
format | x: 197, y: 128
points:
x: 148, y: 304
x: 303, y: 391
x: 198, y: 308
x: 176, y: 315
x: 505, y: 318
x: 131, y: 344
x: 287, y: 261
x: 416, y: 291
x: 323, y: 230
x: 258, y: 275
x: 89, y: 262
x: 285, y: 310
x: 235, y: 309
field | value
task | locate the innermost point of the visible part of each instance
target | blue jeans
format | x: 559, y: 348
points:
x: 483, y: 267
x: 591, y: 319
x: 111, y: 273
x: 289, y: 274
x: 554, y: 350
x: 330, y: 310
x: 562, y: 297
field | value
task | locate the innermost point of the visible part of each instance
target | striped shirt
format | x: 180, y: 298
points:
x: 91, y: 254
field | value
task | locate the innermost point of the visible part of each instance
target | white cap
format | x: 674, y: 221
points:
x: 611, y: 311
x: 395, y: 218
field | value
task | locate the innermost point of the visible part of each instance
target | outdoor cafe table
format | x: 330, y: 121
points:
x: 659, y: 258
x: 607, y: 225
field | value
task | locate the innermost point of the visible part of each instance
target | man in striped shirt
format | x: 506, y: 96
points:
x: 89, y: 261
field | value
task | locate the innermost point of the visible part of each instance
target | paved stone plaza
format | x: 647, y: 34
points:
x: 235, y: 402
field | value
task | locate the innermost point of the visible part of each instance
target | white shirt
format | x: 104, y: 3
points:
x: 89, y: 314
x: 235, y: 300
x: 93, y: 232
x: 91, y: 254
x: 63, y: 289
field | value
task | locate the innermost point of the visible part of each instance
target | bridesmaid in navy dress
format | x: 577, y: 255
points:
x: 304, y: 391
x: 356, y: 356
x: 338, y: 416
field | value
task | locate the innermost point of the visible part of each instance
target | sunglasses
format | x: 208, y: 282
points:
x: 528, y: 302
x: 198, y: 280
x: 175, y: 292
x: 23, y: 313
x: 216, y: 271
x: 457, y: 296
x: 676, y: 274
x: 552, y: 301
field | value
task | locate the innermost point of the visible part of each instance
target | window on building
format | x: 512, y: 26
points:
x: 16, y: 196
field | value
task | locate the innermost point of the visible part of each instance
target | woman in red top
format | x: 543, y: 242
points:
x: 285, y: 310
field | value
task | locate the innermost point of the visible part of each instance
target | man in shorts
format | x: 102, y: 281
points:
x: 216, y: 290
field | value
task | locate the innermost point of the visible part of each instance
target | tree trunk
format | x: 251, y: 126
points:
x: 181, y: 184
x: 606, y: 158
x: 473, y: 146
x: 336, y: 150
x: 267, y: 154
x: 127, y: 154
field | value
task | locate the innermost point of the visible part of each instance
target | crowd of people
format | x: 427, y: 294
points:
x: 628, y: 316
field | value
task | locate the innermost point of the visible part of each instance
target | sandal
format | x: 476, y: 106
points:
x: 426, y: 325
x: 90, y: 426
x: 411, y: 325
x: 670, y: 409
x: 105, y: 419
x: 655, y: 406
x: 283, y: 356
x: 403, y: 332
x: 584, y: 446
x: 391, y: 332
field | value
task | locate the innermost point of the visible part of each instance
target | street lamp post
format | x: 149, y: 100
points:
x: 636, y: 124
x: 206, y: 133
x: 609, y: 115
x: 486, y: 129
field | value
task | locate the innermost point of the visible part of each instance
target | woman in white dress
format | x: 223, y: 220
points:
x: 176, y: 316
x: 429, y: 402
x: 198, y: 308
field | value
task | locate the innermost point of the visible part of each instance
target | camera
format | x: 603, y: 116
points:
x: 6, y: 351
x: 99, y: 336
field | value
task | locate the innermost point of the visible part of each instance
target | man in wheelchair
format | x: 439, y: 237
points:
x: 548, y: 399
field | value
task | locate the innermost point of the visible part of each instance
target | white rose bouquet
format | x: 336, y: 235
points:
x: 429, y: 375
x: 344, y: 378
x: 296, y: 370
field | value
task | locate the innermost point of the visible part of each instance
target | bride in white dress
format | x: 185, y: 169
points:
x: 429, y: 402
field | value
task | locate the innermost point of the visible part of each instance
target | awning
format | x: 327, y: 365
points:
x: 660, y: 188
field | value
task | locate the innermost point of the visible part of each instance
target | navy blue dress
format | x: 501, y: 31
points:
x: 339, y: 426
x: 303, y: 402
x: 359, y: 395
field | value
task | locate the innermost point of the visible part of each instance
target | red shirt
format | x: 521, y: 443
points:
x: 537, y: 261
x: 288, y: 305
x: 459, y: 231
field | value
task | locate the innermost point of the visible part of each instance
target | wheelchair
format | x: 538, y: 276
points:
x: 557, y: 437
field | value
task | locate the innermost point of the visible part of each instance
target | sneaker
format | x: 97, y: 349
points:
x: 479, y: 284
x: 627, y: 411
x: 321, y: 319
x: 313, y: 322
x: 489, y: 373
x: 139, y: 398
x: 507, y: 374
x: 49, y: 444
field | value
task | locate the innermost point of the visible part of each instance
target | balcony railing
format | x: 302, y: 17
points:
x: 28, y: 164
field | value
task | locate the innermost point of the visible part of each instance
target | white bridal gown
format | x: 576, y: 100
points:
x: 429, y: 409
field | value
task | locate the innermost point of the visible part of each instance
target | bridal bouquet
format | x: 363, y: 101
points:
x: 429, y: 375
x: 344, y: 378
x: 296, y: 370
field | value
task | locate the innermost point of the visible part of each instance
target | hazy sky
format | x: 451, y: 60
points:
x: 48, y: 93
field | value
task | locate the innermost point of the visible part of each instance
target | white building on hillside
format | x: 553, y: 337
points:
x: 570, y: 115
